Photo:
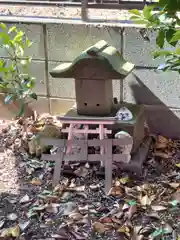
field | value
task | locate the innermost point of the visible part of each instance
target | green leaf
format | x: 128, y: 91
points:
x: 28, y: 42
x: 132, y: 202
x: 176, y: 36
x: 22, y: 109
x: 3, y: 26
x: 169, y: 35
x: 177, y: 51
x: 158, y: 232
x: 160, y: 38
x: 147, y: 12
x: 19, y: 51
x: 135, y: 12
x: 33, y: 95
x: 12, y: 29
x: 134, y: 18
x: 8, y: 99
x: 18, y: 37
x: 161, y: 53
x: 24, y: 62
x: 2, y: 85
x: 140, y: 21
x: 3, y: 63
x: 4, y: 38
x: 174, y: 203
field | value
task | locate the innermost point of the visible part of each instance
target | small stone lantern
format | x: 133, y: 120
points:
x: 93, y: 71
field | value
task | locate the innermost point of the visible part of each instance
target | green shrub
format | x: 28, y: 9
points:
x: 15, y: 80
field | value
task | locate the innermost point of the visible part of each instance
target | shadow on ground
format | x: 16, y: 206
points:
x: 160, y: 118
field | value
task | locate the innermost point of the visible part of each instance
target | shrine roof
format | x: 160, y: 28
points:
x: 108, y: 55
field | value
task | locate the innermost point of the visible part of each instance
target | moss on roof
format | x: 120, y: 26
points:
x: 101, y: 51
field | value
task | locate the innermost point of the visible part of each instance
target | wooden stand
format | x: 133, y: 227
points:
x: 101, y: 130
x: 107, y: 157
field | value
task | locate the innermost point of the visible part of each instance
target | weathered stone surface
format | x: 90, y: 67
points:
x: 35, y: 34
x: 66, y: 41
x: 145, y: 86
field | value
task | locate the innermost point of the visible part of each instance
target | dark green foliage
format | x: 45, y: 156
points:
x: 163, y: 17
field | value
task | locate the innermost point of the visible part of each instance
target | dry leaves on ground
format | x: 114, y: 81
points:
x: 78, y: 209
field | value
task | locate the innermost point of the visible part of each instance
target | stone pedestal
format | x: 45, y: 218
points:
x: 134, y: 127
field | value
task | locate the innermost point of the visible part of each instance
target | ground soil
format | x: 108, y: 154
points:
x: 78, y: 208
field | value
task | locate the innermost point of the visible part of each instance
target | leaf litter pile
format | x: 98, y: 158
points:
x: 77, y: 208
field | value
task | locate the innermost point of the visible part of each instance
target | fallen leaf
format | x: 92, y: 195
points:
x: 132, y: 202
x: 15, y: 231
x: 2, y: 223
x: 24, y: 225
x: 124, y: 229
x: 117, y: 183
x: 174, y: 185
x: 12, y: 216
x: 167, y: 228
x: 53, y: 208
x: 25, y: 199
x: 79, y: 236
x: 158, y: 208
x: 131, y: 211
x: 116, y: 191
x: 76, y: 216
x: 174, y: 203
x: 76, y: 189
x: 176, y: 196
x: 58, y: 236
x: 67, y: 208
x: 157, y: 232
x: 161, y: 142
x: 143, y: 187
x: 162, y: 154
x: 124, y: 180
x: 178, y: 165
x: 94, y: 186
x: 36, y: 182
x: 99, y: 227
x: 31, y: 213
x: 145, y: 201
x: 40, y: 207
x: 119, y: 214
x: 115, y: 220
x: 146, y: 230
x: 81, y: 172
x: 106, y: 220
x: 125, y: 207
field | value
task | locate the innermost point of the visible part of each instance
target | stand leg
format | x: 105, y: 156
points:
x: 108, y: 165
x: 70, y: 133
x: 101, y: 137
x: 57, y: 168
x: 86, y: 128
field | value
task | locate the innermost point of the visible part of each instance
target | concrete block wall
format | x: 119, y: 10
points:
x: 62, y: 42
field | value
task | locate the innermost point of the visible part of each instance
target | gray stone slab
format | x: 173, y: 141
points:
x: 61, y: 87
x: 149, y: 87
x: 66, y: 41
x: 35, y: 34
x: 37, y: 70
x: 163, y: 120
